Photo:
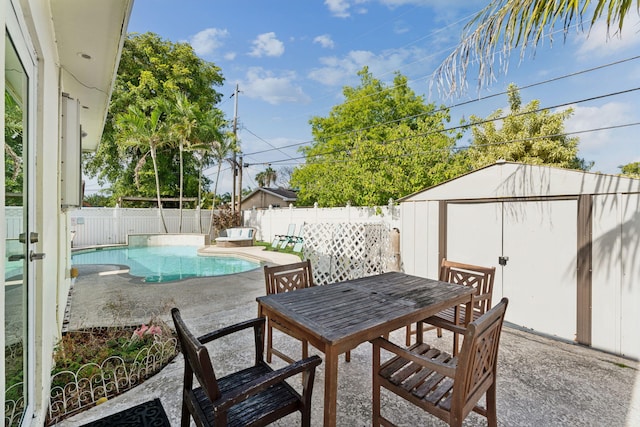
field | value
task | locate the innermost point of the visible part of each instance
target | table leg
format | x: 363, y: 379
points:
x: 330, y: 387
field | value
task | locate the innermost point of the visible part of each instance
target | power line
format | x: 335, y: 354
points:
x: 466, y: 147
x: 460, y: 104
x: 468, y: 125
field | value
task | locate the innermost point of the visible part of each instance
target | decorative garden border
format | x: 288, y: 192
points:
x: 93, y: 382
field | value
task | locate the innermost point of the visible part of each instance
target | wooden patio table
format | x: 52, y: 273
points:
x: 336, y: 318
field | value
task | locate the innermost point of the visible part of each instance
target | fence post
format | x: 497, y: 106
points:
x: 117, y: 218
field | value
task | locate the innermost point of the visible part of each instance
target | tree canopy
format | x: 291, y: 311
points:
x: 382, y: 142
x: 153, y: 69
x: 526, y: 134
x: 632, y: 170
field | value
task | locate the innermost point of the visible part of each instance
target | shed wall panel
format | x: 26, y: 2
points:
x: 606, y: 275
x: 540, y: 277
x: 474, y: 236
x: 630, y: 289
x: 419, y: 243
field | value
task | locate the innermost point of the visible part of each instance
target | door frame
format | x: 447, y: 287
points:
x: 16, y: 29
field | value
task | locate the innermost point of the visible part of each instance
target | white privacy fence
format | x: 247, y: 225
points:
x: 107, y: 226
x: 274, y: 221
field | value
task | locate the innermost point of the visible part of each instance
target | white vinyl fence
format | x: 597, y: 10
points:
x: 274, y: 221
x: 110, y: 226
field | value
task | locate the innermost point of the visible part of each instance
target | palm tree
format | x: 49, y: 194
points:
x: 270, y: 176
x: 261, y: 177
x: 215, y: 144
x: 507, y: 24
x: 136, y: 129
x: 183, y: 123
x: 266, y: 177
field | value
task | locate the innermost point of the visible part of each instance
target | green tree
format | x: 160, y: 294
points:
x: 525, y: 134
x: 504, y: 25
x: 182, y: 123
x: 267, y: 177
x: 215, y: 145
x: 99, y: 199
x: 151, y: 69
x: 13, y: 169
x: 631, y: 170
x: 382, y: 142
x: 138, y: 131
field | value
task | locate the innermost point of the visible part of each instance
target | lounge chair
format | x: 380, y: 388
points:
x: 279, y: 238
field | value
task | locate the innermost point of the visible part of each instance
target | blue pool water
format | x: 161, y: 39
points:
x: 165, y: 263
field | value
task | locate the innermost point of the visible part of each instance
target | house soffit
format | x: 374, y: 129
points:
x: 89, y: 35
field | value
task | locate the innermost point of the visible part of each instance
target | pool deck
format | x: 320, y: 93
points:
x: 541, y: 381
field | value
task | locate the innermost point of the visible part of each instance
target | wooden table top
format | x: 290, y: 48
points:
x: 358, y: 310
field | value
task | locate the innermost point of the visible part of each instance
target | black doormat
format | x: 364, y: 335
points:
x: 148, y: 414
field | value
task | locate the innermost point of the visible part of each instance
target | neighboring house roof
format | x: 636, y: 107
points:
x: 282, y: 193
x: 510, y: 179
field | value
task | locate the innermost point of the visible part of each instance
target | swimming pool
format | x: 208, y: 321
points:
x: 165, y: 263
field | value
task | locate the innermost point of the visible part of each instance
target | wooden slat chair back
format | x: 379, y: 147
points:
x: 287, y: 278
x: 445, y: 386
x: 255, y: 396
x: 480, y: 278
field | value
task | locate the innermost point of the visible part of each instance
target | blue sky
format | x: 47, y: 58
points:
x: 291, y: 59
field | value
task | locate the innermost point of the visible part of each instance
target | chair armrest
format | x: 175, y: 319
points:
x: 257, y: 324
x: 434, y: 365
x: 459, y: 329
x: 247, y: 390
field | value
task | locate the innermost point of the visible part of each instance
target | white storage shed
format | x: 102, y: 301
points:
x: 566, y: 246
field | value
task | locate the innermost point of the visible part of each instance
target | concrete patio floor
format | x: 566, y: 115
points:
x: 541, y: 382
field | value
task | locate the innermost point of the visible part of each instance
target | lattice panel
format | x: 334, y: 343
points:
x: 344, y: 251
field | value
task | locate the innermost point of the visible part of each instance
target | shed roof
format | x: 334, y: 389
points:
x: 510, y: 179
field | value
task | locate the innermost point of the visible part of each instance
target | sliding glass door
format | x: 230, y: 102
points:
x: 20, y: 236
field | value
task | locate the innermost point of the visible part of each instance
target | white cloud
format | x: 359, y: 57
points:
x: 341, y: 8
x: 229, y: 56
x: 585, y: 118
x: 324, y: 41
x: 275, y: 90
x: 600, y: 43
x: 342, y: 71
x: 207, y: 41
x: 338, y: 8
x: 267, y: 44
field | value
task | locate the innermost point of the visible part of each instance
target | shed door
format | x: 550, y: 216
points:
x: 539, y: 238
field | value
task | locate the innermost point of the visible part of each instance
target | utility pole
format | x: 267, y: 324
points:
x: 235, y: 140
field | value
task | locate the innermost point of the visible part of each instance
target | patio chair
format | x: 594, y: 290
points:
x: 445, y: 386
x: 287, y: 278
x: 291, y: 238
x: 279, y: 238
x: 480, y: 278
x: 255, y: 396
x: 299, y: 240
